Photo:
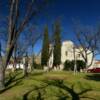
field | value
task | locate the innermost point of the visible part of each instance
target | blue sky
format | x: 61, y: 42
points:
x: 87, y: 11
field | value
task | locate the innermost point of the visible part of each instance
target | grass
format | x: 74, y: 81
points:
x: 59, y: 85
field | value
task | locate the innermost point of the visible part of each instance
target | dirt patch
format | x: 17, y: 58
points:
x: 56, y: 78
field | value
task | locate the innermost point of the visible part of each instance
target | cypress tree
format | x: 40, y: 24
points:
x: 45, y: 48
x: 57, y: 45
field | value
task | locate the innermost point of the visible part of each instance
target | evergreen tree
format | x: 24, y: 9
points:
x: 57, y: 44
x: 45, y: 48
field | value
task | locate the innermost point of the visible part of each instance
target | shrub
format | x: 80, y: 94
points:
x: 80, y: 64
x: 37, y: 66
x: 69, y: 65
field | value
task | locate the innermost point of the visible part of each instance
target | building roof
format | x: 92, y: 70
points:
x: 97, y: 62
x: 67, y: 42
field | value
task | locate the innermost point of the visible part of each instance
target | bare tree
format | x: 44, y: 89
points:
x: 87, y: 43
x: 28, y: 41
x: 16, y: 24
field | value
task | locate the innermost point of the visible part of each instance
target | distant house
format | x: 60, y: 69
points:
x: 97, y: 64
x: 18, y: 64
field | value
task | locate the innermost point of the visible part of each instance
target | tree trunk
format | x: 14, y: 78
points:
x: 14, y: 67
x: 25, y: 69
x: 3, y: 66
x: 2, y: 73
x: 86, y: 67
x: 19, y: 66
x: 15, y: 60
x: 2, y: 78
x: 32, y: 64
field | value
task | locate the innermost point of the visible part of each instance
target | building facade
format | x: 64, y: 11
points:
x: 70, y: 52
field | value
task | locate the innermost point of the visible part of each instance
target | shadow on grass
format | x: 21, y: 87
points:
x: 70, y: 90
x: 62, y: 96
x: 11, y: 78
x: 39, y: 93
x: 9, y: 87
x: 40, y: 90
x: 95, y: 77
x: 12, y: 82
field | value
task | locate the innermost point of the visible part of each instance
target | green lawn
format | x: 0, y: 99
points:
x: 59, y: 85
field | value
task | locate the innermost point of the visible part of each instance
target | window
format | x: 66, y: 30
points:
x: 66, y: 53
x: 78, y: 55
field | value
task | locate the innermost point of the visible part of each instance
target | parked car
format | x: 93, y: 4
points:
x: 94, y: 70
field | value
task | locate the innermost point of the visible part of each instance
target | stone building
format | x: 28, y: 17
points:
x: 69, y: 52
